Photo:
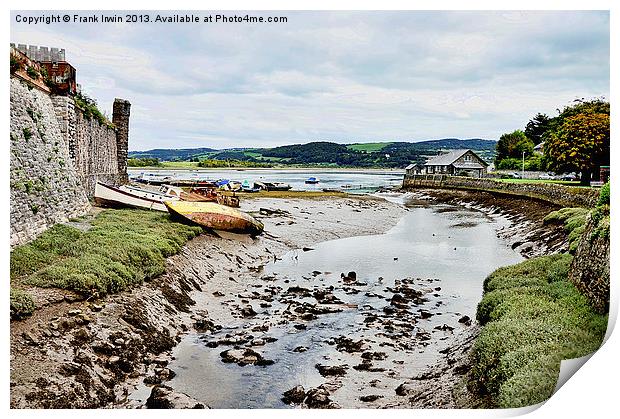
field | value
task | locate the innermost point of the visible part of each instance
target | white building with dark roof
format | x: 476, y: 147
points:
x: 456, y: 162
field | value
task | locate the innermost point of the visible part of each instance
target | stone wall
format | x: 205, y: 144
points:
x: 590, y: 267
x: 567, y: 196
x: 44, y: 185
x: 57, y: 155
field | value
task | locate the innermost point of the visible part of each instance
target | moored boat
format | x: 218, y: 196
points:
x: 216, y: 217
x: 312, y: 180
x: 277, y: 186
x: 246, y: 186
x: 107, y: 195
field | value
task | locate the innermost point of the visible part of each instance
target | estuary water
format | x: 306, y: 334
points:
x: 406, y: 301
x: 360, y: 181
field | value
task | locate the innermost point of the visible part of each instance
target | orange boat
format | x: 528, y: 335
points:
x: 215, y: 216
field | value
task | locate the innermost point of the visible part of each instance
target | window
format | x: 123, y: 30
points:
x: 467, y: 157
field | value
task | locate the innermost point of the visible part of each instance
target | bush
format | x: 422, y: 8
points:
x: 533, y: 318
x: 32, y: 73
x: 22, y: 304
x: 604, y: 196
x: 143, y: 162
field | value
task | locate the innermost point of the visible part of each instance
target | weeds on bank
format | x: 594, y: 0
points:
x: 574, y: 220
x: 122, y: 248
x: 533, y: 319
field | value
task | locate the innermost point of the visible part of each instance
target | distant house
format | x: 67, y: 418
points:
x: 456, y: 162
x: 414, y: 169
x: 539, y: 148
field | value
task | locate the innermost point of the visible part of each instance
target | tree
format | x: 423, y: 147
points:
x: 512, y: 145
x: 580, y: 143
x: 536, y: 127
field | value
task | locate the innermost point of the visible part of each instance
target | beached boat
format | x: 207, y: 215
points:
x: 126, y: 196
x: 277, y: 186
x: 215, y: 216
x: 312, y: 180
x: 246, y: 186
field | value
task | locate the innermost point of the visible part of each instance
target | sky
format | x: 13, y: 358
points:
x: 333, y: 76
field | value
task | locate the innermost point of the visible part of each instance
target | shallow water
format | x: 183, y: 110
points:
x: 358, y: 181
x: 444, y: 251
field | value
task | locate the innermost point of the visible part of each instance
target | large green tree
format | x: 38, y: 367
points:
x: 536, y: 127
x: 578, y: 138
x: 513, y: 145
x: 580, y: 143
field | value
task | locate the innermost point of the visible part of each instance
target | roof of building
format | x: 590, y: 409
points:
x: 412, y: 166
x: 445, y: 158
x: 539, y: 146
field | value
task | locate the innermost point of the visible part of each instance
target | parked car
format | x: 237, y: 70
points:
x: 569, y: 176
x: 546, y: 176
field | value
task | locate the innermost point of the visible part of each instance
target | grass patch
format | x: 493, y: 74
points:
x: 368, y: 147
x: 121, y: 249
x: 533, y: 319
x: 574, y: 220
x: 22, y: 304
x: 557, y: 182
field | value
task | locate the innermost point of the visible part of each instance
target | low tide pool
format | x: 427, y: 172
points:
x: 383, y: 324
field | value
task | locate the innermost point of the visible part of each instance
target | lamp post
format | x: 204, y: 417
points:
x: 523, y: 166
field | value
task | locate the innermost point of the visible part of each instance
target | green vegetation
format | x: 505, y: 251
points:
x: 145, y: 162
x: 121, y: 249
x: 89, y: 109
x: 558, y: 182
x: 32, y: 72
x: 327, y: 154
x: 604, y: 196
x: 22, y: 304
x: 15, y: 64
x: 368, y: 147
x: 513, y: 145
x: 27, y: 133
x: 533, y: 319
x: 231, y: 163
x: 574, y: 220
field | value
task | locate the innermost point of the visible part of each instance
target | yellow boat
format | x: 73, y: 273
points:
x: 215, y: 216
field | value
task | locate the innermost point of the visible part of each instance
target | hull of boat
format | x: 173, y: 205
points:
x: 109, y: 196
x: 216, y: 217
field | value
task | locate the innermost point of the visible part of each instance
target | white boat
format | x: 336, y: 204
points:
x: 127, y: 196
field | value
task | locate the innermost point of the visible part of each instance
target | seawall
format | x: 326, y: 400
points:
x: 567, y: 196
x: 57, y: 154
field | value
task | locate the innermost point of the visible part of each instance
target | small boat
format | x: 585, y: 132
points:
x: 277, y: 186
x: 312, y: 181
x: 246, y: 186
x: 125, y: 196
x: 215, y: 216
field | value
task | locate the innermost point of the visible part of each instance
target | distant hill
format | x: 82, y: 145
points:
x: 380, y: 154
x: 173, y: 154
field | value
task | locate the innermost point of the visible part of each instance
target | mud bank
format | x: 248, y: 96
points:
x: 88, y: 354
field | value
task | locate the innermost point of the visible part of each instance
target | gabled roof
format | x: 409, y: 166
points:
x: 445, y: 158
x: 413, y: 166
x: 450, y: 157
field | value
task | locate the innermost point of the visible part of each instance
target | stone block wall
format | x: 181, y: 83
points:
x: 589, y: 270
x: 57, y: 155
x: 45, y: 188
x: 568, y: 196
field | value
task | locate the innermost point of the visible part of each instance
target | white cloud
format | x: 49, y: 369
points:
x: 342, y: 76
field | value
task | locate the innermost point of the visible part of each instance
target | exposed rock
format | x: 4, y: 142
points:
x: 332, y: 370
x: 465, y: 320
x: 295, y: 395
x: 164, y: 397
x: 370, y: 398
x: 404, y: 389
x: 244, y: 357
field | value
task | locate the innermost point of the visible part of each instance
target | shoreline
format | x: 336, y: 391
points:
x: 375, y: 170
x: 109, y: 344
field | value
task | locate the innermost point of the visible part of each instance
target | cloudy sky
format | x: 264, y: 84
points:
x: 339, y: 76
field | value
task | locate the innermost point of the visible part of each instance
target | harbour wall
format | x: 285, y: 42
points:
x: 567, y: 196
x: 57, y: 155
